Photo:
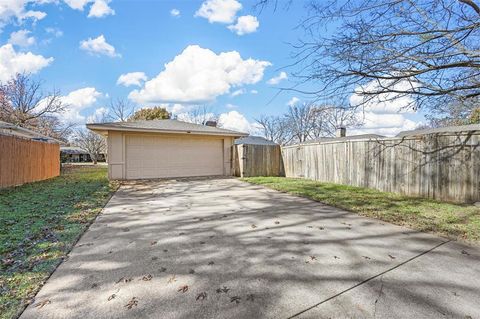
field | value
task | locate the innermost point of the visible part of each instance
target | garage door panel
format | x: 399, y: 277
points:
x: 157, y: 157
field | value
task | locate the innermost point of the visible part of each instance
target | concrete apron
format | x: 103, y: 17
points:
x: 221, y: 248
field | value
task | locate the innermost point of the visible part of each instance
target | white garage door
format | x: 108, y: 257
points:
x: 157, y: 157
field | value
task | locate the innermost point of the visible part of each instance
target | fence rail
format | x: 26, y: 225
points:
x: 438, y: 166
x: 24, y: 161
x: 258, y: 160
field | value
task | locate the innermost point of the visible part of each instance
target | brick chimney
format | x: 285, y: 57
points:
x: 211, y: 123
x: 341, y: 132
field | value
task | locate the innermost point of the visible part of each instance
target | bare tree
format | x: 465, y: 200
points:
x: 198, y: 115
x: 304, y: 122
x: 120, y: 110
x: 275, y: 128
x: 90, y: 142
x: 428, y: 50
x: 23, y: 101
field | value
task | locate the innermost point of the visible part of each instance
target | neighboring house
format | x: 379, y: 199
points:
x: 75, y: 154
x: 166, y: 148
x: 253, y: 140
x: 14, y: 130
x: 442, y: 130
x: 345, y: 138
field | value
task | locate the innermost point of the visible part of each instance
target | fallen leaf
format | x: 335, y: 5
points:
x: 41, y: 304
x: 224, y: 290
x: 132, y: 303
x: 277, y: 222
x: 202, y: 296
x: 464, y: 252
x: 336, y: 257
x: 172, y: 279
x: 153, y: 243
x: 313, y: 258
x: 112, y: 296
x: 366, y: 257
x: 147, y: 277
x: 235, y: 299
x: 391, y: 257
x: 254, y: 226
x: 211, y: 263
x: 183, y: 289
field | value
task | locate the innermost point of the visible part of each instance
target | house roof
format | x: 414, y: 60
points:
x: 254, y: 140
x: 163, y: 126
x: 441, y: 130
x: 346, y: 138
x: 15, y: 130
x: 72, y: 150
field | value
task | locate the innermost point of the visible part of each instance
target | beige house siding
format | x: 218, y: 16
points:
x: 212, y: 153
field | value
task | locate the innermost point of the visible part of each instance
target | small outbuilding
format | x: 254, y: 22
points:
x: 75, y: 154
x: 167, y: 148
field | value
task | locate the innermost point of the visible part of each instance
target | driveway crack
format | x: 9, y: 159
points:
x: 369, y: 279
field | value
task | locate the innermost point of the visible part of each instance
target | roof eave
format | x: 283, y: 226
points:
x: 102, y: 129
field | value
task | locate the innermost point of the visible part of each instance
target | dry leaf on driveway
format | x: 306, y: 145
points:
x: 132, y: 303
x: 183, y: 289
x: 41, y: 304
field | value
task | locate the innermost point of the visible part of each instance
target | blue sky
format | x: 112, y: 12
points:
x: 219, y: 53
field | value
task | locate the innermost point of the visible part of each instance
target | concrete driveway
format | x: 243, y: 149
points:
x: 221, y: 248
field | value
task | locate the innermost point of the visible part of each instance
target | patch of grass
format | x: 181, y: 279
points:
x: 453, y: 220
x: 39, y: 223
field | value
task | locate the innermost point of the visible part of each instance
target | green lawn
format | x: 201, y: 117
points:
x: 39, y: 224
x: 452, y: 220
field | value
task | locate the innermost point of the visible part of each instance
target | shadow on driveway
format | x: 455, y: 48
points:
x: 221, y: 248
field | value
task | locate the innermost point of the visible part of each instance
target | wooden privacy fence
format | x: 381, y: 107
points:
x: 258, y: 160
x: 24, y: 161
x: 441, y: 166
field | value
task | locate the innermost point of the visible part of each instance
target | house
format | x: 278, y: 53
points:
x: 166, y: 148
x: 253, y: 140
x: 454, y: 130
x: 75, y: 154
x: 14, y: 130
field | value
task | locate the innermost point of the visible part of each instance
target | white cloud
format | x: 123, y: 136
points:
x: 277, y: 79
x: 254, y: 91
x: 15, y: 10
x: 383, y: 124
x: 77, y: 101
x: 222, y: 11
x: 385, y: 114
x: 231, y: 106
x: 175, y: 13
x: 98, y: 46
x: 12, y: 62
x: 100, y: 9
x: 57, y: 33
x: 97, y: 115
x: 236, y: 121
x: 21, y: 38
x: 245, y: 24
x: 294, y: 100
x: 77, y: 4
x: 132, y: 78
x: 238, y: 92
x: 199, y: 75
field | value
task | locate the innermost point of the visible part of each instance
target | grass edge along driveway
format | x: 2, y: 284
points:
x: 458, y: 221
x: 39, y: 224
